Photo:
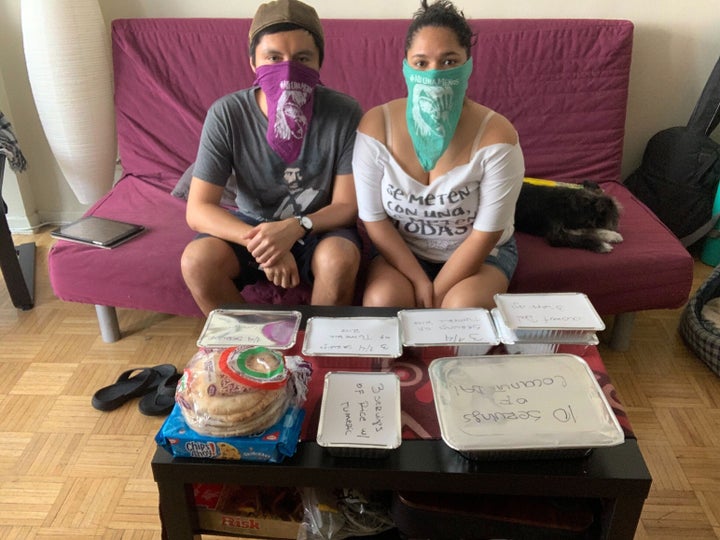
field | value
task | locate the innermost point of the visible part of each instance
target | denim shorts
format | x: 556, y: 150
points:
x: 504, y: 258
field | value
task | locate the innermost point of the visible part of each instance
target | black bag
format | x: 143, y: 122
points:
x: 680, y: 170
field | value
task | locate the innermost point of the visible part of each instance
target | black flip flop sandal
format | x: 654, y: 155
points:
x: 162, y: 401
x: 131, y: 383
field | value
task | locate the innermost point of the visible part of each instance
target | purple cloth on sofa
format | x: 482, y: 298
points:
x: 563, y: 83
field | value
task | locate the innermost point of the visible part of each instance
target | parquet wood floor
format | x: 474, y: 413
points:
x: 69, y: 471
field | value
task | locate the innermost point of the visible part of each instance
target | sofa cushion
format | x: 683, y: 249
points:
x: 182, y: 188
x: 648, y: 270
x: 143, y: 273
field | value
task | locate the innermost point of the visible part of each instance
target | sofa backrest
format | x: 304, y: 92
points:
x: 563, y: 83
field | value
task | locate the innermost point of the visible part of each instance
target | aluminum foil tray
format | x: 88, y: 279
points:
x: 373, y: 337
x: 360, y: 414
x: 508, y: 406
x: 235, y: 327
x: 431, y: 327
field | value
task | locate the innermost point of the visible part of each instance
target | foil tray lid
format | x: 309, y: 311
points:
x: 235, y: 327
x: 569, y: 312
x: 514, y: 402
x: 360, y: 410
x: 431, y: 327
x: 373, y: 337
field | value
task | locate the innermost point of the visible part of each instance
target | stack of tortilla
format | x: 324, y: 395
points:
x: 215, y: 403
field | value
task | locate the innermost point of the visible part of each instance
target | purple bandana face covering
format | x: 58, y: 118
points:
x: 289, y: 88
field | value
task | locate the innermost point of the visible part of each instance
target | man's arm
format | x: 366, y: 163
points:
x: 267, y: 242
x: 342, y: 210
x: 205, y: 215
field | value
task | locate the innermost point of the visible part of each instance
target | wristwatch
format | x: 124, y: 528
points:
x: 306, y: 223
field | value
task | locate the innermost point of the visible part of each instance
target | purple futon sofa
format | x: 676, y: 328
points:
x: 563, y: 84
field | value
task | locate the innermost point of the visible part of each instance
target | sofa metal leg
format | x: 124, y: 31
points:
x: 622, y: 328
x: 108, y: 321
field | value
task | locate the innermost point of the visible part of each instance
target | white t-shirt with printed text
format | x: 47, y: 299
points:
x: 435, y: 219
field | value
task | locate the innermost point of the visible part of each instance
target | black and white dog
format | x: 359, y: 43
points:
x: 579, y: 217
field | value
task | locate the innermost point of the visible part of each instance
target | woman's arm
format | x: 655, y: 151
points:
x: 368, y: 166
x: 465, y: 261
x: 392, y: 247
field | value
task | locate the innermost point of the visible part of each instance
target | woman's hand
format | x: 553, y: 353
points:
x: 424, y: 293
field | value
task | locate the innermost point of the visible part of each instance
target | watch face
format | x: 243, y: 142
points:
x: 306, y: 223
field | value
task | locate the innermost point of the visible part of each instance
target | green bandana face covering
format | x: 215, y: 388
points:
x: 435, y: 100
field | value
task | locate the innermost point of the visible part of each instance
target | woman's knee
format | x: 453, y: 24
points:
x: 375, y: 296
x: 477, y: 291
x: 386, y: 287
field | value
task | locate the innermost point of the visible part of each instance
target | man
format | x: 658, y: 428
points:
x: 290, y: 142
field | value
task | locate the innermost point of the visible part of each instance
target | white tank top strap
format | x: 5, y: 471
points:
x: 481, y: 131
x: 388, y: 127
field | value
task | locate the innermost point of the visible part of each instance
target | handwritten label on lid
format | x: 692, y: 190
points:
x: 360, y: 410
x: 353, y: 336
x: 446, y: 326
x: 570, y: 311
x: 512, y: 402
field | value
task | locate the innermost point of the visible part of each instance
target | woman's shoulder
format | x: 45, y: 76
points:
x: 497, y: 129
x: 373, y: 121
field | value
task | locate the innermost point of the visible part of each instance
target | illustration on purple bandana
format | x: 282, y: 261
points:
x: 289, y: 88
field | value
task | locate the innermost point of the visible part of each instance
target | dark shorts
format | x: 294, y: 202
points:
x: 250, y: 272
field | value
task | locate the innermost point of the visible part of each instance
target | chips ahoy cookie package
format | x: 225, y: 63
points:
x: 272, y: 445
x: 241, y: 403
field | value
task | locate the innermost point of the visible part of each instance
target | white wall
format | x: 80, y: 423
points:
x: 676, y: 45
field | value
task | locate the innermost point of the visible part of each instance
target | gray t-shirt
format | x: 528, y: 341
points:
x: 268, y: 189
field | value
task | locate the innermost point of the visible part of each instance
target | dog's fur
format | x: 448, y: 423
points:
x: 584, y: 218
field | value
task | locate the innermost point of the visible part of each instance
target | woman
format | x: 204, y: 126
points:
x: 437, y: 177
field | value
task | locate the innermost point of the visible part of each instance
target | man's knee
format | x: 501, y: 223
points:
x: 207, y: 256
x: 336, y: 257
x: 190, y: 261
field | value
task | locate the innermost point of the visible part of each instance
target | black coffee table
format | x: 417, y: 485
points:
x: 617, y: 475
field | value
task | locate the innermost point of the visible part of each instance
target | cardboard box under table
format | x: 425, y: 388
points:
x: 262, y: 511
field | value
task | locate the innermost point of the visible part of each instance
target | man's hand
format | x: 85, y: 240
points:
x: 284, y: 273
x: 267, y: 242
